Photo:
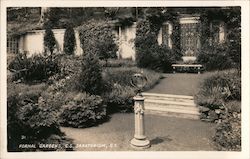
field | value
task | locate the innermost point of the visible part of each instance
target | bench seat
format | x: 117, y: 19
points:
x: 187, y: 65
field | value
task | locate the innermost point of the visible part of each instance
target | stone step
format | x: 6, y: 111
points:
x: 169, y: 109
x: 173, y: 114
x: 168, y: 97
x: 165, y: 105
x: 171, y: 105
x: 174, y: 103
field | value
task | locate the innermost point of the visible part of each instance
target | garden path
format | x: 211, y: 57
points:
x: 165, y: 134
x: 178, y: 84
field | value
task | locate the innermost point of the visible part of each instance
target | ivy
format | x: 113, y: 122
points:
x: 148, y: 53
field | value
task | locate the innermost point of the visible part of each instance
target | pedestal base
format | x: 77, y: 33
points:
x: 140, y: 144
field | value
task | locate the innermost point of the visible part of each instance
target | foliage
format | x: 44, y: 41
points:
x: 219, y: 100
x: 69, y: 40
x: 148, y: 53
x: 120, y: 93
x: 36, y: 67
x: 91, y: 75
x: 97, y: 38
x: 19, y: 62
x: 49, y: 38
x: 216, y: 57
x: 119, y: 99
x: 83, y: 110
x: 228, y: 132
x: 30, y: 119
x: 230, y: 52
x: 118, y: 63
x: 224, y: 85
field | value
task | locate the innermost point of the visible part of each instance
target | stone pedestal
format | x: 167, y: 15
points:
x: 139, y: 140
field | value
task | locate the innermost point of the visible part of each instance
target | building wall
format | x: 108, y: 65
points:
x: 32, y: 42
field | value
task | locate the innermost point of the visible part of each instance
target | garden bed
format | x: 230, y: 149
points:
x: 219, y: 99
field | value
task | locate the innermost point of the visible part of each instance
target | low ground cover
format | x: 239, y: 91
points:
x: 220, y: 101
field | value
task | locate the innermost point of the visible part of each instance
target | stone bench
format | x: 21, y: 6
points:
x: 187, y: 65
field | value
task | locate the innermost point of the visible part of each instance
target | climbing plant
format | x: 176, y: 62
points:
x: 149, y: 53
x: 230, y: 57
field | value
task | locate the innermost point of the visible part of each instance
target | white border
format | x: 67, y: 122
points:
x: 244, y: 154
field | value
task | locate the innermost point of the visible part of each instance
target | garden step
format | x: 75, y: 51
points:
x: 169, y: 97
x: 169, y: 109
x: 169, y: 102
x: 181, y: 106
x: 173, y: 114
x: 171, y: 105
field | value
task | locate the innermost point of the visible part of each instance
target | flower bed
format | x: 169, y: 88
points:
x: 219, y: 99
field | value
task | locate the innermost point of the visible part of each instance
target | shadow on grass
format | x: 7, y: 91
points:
x: 159, y: 140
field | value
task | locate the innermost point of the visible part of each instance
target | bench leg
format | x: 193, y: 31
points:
x: 173, y: 69
x: 199, y: 72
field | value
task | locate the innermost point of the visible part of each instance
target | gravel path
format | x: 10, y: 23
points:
x: 179, y: 84
x: 165, y: 134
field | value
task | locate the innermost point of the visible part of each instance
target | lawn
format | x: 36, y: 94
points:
x: 165, y: 134
x: 179, y: 84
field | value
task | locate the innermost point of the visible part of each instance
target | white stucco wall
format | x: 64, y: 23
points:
x: 32, y: 42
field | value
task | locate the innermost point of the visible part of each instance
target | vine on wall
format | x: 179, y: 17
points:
x: 148, y: 53
x: 224, y: 55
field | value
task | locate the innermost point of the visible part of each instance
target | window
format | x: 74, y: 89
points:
x: 166, y: 34
x: 12, y: 45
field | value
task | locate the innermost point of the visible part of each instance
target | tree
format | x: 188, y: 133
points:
x: 49, y: 39
x: 69, y: 40
x: 97, y: 38
x: 91, y: 74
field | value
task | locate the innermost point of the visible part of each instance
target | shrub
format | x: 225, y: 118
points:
x: 90, y: 77
x: 49, y: 38
x: 19, y: 62
x: 120, y: 96
x: 228, y: 132
x: 69, y: 40
x: 123, y: 76
x: 30, y: 119
x: 225, y: 85
x: 36, y: 67
x: 215, y: 57
x: 148, y: 53
x: 97, y: 38
x: 120, y: 99
x: 219, y: 99
x: 83, y: 110
x: 118, y: 63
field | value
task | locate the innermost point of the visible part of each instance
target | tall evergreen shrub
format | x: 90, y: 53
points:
x: 49, y: 38
x: 69, y: 40
x: 90, y: 77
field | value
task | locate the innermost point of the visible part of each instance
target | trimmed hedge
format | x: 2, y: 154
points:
x: 31, y: 120
x: 83, y: 110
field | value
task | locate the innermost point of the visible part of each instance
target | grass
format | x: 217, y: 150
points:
x: 179, y: 84
x: 165, y: 134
